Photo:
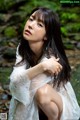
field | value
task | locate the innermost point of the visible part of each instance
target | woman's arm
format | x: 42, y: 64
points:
x: 50, y: 65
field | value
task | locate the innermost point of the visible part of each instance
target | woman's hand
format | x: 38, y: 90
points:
x: 52, y: 66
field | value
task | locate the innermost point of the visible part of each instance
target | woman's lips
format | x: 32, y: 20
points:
x: 28, y: 32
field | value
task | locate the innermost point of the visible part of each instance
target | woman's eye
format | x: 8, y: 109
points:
x: 31, y: 19
x: 39, y: 24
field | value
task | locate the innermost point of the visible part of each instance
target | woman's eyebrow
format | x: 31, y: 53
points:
x: 40, y: 20
x: 33, y: 16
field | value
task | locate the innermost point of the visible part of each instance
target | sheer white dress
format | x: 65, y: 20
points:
x: 23, y: 105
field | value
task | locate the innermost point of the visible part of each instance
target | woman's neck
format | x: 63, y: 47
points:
x: 36, y: 47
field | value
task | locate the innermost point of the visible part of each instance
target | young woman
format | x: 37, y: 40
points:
x: 41, y: 74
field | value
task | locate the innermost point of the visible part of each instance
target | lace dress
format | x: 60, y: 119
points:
x: 23, y: 105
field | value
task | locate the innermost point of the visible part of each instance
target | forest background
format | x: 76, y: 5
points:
x: 13, y: 14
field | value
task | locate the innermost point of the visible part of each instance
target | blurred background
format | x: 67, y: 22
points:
x: 13, y: 15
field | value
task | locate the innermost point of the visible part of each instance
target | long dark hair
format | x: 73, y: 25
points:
x: 53, y: 44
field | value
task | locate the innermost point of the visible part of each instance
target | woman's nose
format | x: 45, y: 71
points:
x: 31, y: 25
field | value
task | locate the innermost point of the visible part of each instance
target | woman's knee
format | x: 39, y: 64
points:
x: 41, y: 95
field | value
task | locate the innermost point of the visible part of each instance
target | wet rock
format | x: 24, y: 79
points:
x: 78, y: 45
x: 5, y: 63
x: 4, y: 18
x: 9, y: 54
x: 4, y: 97
x: 1, y: 60
x: 14, y: 19
x: 13, y: 42
x: 2, y: 49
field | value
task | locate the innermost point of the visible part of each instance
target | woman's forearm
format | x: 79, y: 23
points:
x: 36, y: 70
x: 50, y: 66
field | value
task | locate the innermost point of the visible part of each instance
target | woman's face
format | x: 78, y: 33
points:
x: 34, y: 30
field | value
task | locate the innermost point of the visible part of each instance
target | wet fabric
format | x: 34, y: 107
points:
x: 23, y: 105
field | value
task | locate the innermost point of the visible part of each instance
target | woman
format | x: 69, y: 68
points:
x: 42, y: 73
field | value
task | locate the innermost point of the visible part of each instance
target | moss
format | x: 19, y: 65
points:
x: 6, y: 4
x: 64, y: 31
x: 73, y: 27
x: 10, y: 32
x: 69, y: 46
x: 4, y: 74
x: 69, y: 16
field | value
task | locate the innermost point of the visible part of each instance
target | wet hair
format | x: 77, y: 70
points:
x: 52, y: 46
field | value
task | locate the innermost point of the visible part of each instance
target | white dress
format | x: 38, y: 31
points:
x: 23, y: 105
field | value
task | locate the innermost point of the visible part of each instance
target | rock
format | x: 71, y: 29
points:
x: 4, y: 97
x: 6, y: 5
x: 4, y: 18
x: 2, y: 48
x: 1, y: 89
x: 78, y: 45
x: 9, y: 54
x: 15, y: 18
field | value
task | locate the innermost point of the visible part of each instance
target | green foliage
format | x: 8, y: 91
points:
x: 77, y: 37
x: 67, y: 17
x: 35, y: 3
x: 6, y: 4
x: 10, y: 32
x: 68, y: 46
x: 64, y: 31
x: 73, y: 27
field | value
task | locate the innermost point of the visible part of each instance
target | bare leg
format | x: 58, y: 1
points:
x: 49, y: 101
x: 51, y: 110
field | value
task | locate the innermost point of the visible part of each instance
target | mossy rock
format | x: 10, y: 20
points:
x: 73, y: 27
x: 10, y: 32
x: 5, y: 5
x: 4, y: 75
x: 77, y: 37
x: 68, y: 44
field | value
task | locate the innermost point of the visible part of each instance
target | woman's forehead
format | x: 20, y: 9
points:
x: 38, y: 15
